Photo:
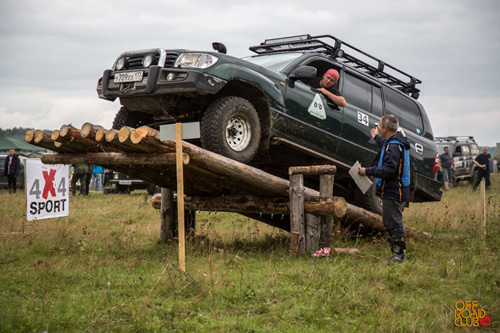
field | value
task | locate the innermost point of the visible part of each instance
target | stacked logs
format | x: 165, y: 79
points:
x: 211, y: 181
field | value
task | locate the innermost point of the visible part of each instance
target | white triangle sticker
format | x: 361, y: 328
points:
x: 317, y: 109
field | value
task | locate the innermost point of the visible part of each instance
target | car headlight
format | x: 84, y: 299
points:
x: 120, y: 64
x: 115, y: 176
x: 196, y: 60
x: 147, y: 60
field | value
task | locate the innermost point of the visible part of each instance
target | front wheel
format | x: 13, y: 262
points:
x: 231, y: 127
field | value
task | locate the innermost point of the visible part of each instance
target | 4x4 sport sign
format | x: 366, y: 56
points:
x: 47, y: 190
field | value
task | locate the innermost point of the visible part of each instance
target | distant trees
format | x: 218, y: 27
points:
x: 16, y: 132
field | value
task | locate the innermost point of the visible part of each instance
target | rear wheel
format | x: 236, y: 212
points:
x: 231, y: 127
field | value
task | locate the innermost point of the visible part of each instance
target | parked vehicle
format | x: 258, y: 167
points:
x: 20, y: 178
x: 125, y: 184
x: 261, y: 110
x: 464, y: 150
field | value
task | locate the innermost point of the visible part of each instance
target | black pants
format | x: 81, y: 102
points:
x: 392, y: 217
x: 483, y: 173
x: 11, y: 182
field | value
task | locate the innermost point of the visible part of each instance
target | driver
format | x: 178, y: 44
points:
x: 326, y: 86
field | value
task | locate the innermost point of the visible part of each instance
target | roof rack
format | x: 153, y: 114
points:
x: 467, y: 139
x: 308, y: 43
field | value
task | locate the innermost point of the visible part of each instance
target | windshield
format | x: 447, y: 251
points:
x: 274, y: 62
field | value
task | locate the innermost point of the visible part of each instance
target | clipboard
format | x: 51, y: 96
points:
x: 364, y: 183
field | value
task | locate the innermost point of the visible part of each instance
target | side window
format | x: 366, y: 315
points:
x: 405, y: 109
x: 357, y: 92
x: 474, y: 149
x: 377, y: 102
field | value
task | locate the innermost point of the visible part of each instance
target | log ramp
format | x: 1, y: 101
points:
x: 212, y: 182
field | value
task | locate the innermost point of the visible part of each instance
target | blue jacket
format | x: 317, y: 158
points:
x: 390, y: 169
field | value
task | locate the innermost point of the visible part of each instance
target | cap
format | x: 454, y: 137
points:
x: 334, y: 74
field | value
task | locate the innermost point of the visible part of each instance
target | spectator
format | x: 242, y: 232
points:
x: 483, y: 163
x: 446, y: 167
x: 80, y: 173
x: 96, y: 182
x: 11, y: 170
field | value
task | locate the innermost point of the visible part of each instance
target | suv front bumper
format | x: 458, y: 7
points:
x: 157, y: 81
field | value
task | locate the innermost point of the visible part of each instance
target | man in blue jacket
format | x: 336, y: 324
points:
x: 393, y: 180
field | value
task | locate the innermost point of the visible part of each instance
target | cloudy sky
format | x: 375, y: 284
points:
x: 53, y: 51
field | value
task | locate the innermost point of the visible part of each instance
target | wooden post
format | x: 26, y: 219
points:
x: 312, y: 232
x: 167, y: 214
x: 326, y: 190
x: 483, y: 211
x: 297, y: 213
x: 180, y: 197
x: 294, y: 243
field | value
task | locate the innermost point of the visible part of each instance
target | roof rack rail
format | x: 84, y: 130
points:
x: 466, y: 138
x: 308, y: 43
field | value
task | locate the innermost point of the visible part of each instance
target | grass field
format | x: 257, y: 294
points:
x: 106, y: 270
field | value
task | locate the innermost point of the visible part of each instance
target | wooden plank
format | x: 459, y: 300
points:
x: 180, y: 197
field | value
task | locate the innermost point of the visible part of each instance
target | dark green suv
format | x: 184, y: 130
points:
x: 261, y: 110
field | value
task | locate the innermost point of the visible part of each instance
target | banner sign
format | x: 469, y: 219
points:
x: 47, y: 190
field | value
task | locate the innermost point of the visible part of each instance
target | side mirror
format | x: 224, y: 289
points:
x: 219, y: 47
x: 303, y: 72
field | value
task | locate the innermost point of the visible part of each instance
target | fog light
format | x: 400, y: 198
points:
x: 170, y: 76
x: 120, y: 64
x: 147, y: 61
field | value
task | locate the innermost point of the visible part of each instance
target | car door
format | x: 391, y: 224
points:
x: 314, y: 121
x: 363, y: 110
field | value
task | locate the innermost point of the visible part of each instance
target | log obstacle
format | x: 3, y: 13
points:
x: 211, y: 181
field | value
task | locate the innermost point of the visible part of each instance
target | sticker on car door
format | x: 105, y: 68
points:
x: 363, y: 119
x: 317, y: 109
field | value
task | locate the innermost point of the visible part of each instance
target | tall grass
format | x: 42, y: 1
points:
x: 106, y: 270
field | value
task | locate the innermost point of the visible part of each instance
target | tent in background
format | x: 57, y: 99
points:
x: 21, y: 147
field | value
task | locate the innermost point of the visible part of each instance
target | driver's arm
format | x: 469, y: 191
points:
x: 338, y: 100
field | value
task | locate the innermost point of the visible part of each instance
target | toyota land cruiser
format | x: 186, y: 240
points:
x: 260, y: 109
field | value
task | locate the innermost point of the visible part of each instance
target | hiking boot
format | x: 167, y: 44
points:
x: 398, y: 248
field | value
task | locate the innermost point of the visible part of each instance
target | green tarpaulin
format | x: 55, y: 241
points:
x: 20, y: 146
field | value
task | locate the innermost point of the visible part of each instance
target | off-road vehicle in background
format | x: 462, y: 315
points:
x: 464, y: 150
x: 261, y: 110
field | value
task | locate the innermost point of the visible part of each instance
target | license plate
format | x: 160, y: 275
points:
x: 128, y: 77
x: 125, y: 182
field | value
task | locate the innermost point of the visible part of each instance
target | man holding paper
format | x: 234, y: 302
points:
x: 393, y: 180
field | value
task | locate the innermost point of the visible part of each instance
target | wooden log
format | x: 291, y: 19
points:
x: 89, y: 130
x: 297, y: 209
x: 294, y: 243
x: 312, y: 170
x: 124, y: 134
x: 145, y: 132
x: 44, y: 140
x: 100, y: 135
x: 71, y: 139
x: 114, y: 158
x: 235, y: 170
x: 29, y: 136
x: 112, y: 136
x: 168, y: 216
x: 326, y: 190
x: 257, y: 204
x: 338, y: 251
x: 312, y: 229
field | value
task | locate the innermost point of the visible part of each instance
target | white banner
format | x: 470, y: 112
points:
x: 47, y: 190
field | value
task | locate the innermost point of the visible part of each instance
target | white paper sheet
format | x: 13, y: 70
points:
x: 364, y: 183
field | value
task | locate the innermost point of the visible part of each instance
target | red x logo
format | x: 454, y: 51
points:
x: 49, y: 183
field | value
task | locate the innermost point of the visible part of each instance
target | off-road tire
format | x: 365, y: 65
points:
x: 125, y: 117
x: 231, y: 127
